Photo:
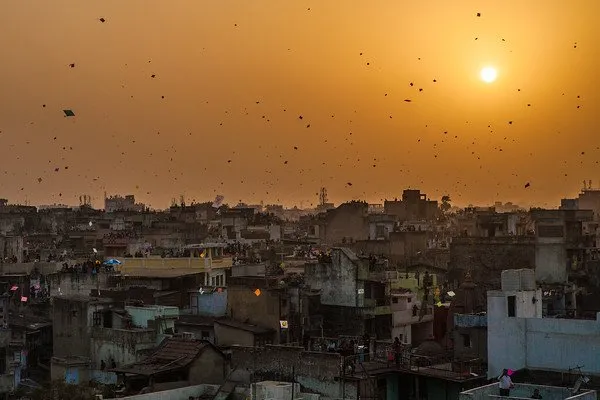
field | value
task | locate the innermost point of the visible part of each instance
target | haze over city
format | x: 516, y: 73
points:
x: 270, y: 100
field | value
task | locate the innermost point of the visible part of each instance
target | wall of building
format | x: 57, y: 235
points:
x: 70, y: 333
x: 573, y: 343
x: 524, y: 391
x: 550, y: 262
x: 264, y: 310
x: 211, y: 304
x: 315, y: 372
x: 590, y: 200
x: 257, y: 269
x: 209, y: 368
x: 524, y: 342
x: 141, y: 315
x: 183, y: 393
x: 477, y: 347
x: 70, y: 373
x: 487, y: 257
x: 124, y: 346
x: 228, y: 336
x: 10, y: 246
x: 198, y: 332
x: 67, y: 284
x: 347, y: 223
x: 336, y: 280
x: 43, y: 268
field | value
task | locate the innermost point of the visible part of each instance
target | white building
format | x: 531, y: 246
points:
x: 518, y: 336
x: 409, y: 323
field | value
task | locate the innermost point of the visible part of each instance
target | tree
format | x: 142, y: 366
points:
x: 445, y: 206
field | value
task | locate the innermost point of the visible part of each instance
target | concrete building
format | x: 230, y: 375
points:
x: 120, y: 203
x: 414, y: 206
x: 13, y: 360
x: 11, y: 249
x: 90, y: 333
x: 317, y: 373
x: 267, y: 390
x: 208, y: 301
x: 260, y: 301
x: 466, y: 322
x: 398, y: 246
x: 589, y: 199
x: 380, y: 226
x: 559, y: 238
x: 470, y: 336
x: 519, y: 338
x: 176, y: 360
x: 486, y: 257
x: 352, y: 292
x: 229, y: 332
x: 345, y: 224
x: 160, y: 318
x: 410, y: 322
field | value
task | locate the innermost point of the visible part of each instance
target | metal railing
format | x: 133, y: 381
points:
x: 361, y: 364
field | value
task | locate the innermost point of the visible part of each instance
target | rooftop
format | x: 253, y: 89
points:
x: 28, y: 321
x: 205, y: 245
x: 524, y: 391
x: 83, y: 298
x: 174, y: 353
x: 256, y: 329
x: 196, y: 320
x: 141, y: 272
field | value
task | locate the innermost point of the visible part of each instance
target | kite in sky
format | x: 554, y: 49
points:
x: 69, y: 113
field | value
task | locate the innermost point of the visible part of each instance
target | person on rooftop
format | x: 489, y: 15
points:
x: 505, y: 383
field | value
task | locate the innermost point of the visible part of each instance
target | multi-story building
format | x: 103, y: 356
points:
x: 354, y: 293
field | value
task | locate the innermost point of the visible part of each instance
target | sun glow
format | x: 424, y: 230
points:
x: 489, y: 74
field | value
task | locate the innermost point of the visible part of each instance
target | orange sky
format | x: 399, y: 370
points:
x: 298, y: 58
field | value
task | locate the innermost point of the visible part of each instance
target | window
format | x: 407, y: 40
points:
x: 97, y: 316
x: 466, y: 339
x: 512, y: 306
x: 394, y: 300
x: 107, y: 319
x: 409, y: 299
x: 2, y: 360
x: 205, y: 335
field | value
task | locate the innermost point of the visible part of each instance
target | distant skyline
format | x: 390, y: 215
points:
x: 98, y: 203
x: 268, y: 100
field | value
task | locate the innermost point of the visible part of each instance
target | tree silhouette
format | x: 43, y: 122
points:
x: 445, y: 206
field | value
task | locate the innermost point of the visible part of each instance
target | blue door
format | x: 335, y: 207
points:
x: 72, y: 376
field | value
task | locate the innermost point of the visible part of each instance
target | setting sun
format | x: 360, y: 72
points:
x: 489, y: 74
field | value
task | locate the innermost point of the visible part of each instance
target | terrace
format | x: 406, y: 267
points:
x: 524, y: 391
